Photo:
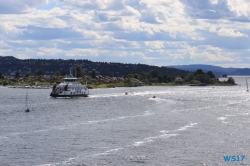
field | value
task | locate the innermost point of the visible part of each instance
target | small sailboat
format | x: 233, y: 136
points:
x: 26, y: 103
x: 247, y: 85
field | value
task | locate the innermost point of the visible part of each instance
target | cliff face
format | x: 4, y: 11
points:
x: 9, y: 64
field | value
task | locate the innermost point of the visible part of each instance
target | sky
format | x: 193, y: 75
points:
x: 153, y: 32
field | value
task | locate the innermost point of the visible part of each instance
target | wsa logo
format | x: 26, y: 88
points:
x: 234, y: 158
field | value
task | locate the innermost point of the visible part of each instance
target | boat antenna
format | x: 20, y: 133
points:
x: 75, y: 72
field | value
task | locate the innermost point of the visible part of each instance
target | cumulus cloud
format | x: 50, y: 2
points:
x: 11, y: 30
x: 230, y: 32
x: 240, y: 7
x: 17, y: 6
x: 217, y: 9
x: 95, y: 4
x: 160, y: 32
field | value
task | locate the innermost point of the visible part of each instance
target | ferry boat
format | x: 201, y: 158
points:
x: 70, y: 88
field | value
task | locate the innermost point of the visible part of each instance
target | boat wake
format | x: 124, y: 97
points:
x: 146, y: 113
x: 165, y: 135
x: 160, y: 100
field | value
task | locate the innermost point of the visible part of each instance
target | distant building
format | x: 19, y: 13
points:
x: 178, y: 80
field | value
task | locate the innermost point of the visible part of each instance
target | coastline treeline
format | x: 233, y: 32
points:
x: 153, y: 77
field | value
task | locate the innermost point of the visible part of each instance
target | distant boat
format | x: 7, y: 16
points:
x: 128, y: 92
x: 70, y: 88
x: 26, y: 103
x: 200, y: 84
x: 247, y: 85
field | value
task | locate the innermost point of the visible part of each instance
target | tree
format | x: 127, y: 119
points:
x: 28, y: 74
x: 17, y: 75
x: 199, y: 72
x: 93, y: 74
x: 136, y: 76
x: 165, y: 78
x: 144, y: 75
x: 79, y: 71
x: 189, y: 77
x: 40, y: 72
x: 160, y: 79
x: 231, y: 81
x: 1, y: 76
x: 211, y: 74
x: 203, y: 78
x: 154, y: 73
x: 57, y: 73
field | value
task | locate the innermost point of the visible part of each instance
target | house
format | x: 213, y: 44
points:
x: 178, y: 80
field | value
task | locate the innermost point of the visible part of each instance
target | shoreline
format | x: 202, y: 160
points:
x: 117, y: 85
x: 30, y: 87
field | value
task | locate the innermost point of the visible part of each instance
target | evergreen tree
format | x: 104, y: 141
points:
x: 211, y: 74
x: 189, y: 77
x: 154, y: 73
x: 28, y: 74
x: 160, y: 79
x: 40, y: 72
x: 231, y: 81
x: 1, y: 76
x: 17, y: 75
x: 199, y: 72
x: 79, y: 71
x: 165, y: 78
x: 93, y: 74
x: 57, y: 73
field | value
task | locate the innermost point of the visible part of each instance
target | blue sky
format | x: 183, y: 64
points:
x: 154, y: 32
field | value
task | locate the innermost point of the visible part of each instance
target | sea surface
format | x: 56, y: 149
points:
x: 182, y: 125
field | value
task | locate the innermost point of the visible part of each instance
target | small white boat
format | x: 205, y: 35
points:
x: 27, y: 110
x: 70, y: 88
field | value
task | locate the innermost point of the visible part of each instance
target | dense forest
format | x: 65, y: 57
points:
x: 10, y: 65
x: 48, y: 72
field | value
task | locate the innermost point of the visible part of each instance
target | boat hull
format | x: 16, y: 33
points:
x: 73, y: 95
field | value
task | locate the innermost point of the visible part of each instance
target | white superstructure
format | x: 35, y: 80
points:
x: 70, y: 88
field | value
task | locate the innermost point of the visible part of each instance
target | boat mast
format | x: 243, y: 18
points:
x: 26, y: 100
x: 75, y: 72
x: 247, y: 84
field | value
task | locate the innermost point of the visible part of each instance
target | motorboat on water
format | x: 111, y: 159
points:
x: 70, y: 88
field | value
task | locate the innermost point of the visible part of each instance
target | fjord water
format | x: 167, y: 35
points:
x: 183, y: 125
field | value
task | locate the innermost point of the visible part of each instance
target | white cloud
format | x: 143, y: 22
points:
x: 210, y: 54
x: 10, y: 30
x: 230, y: 33
x: 155, y: 44
x: 23, y: 56
x: 17, y: 6
x: 240, y: 7
x: 137, y: 31
x: 95, y: 4
x: 227, y: 32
